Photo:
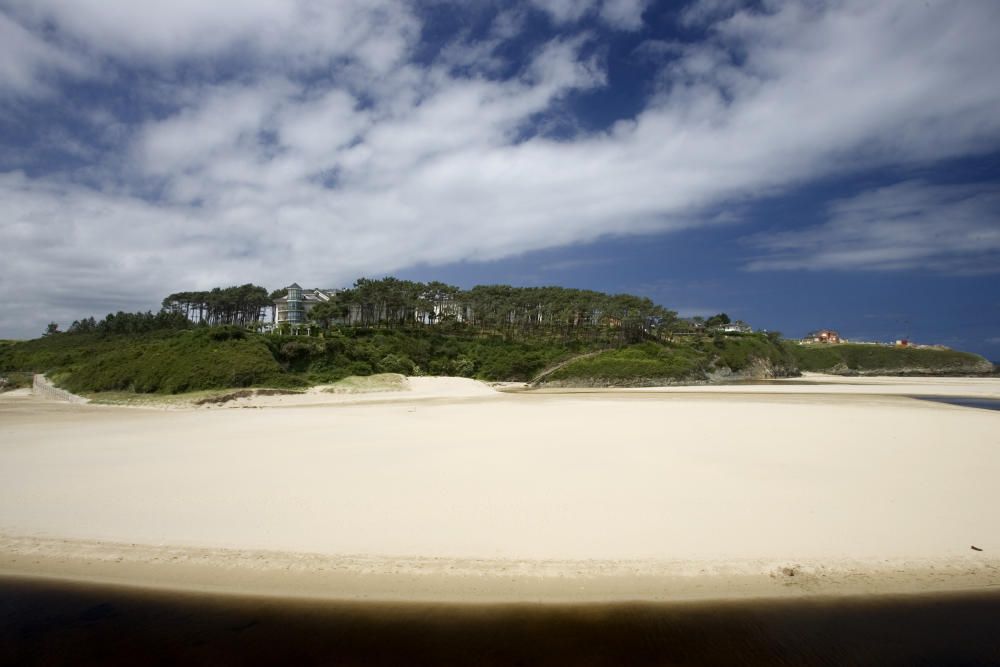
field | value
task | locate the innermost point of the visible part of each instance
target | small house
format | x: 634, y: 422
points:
x: 822, y: 336
x: 735, y: 327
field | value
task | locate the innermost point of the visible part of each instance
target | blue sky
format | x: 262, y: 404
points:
x: 797, y: 164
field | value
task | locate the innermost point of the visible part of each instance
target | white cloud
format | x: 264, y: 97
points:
x: 305, y: 33
x: 384, y: 163
x: 223, y: 120
x: 702, y: 12
x: 223, y: 141
x: 26, y: 61
x: 911, y: 225
x: 318, y: 127
x: 624, y: 14
x: 79, y: 253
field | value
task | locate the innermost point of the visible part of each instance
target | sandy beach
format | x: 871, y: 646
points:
x: 451, y: 490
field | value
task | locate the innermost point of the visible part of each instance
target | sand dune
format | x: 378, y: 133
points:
x: 451, y: 489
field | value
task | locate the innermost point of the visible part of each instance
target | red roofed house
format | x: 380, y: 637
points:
x: 823, y: 336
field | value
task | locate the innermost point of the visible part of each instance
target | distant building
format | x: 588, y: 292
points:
x: 822, y: 336
x: 297, y: 302
x: 735, y: 327
x: 902, y: 342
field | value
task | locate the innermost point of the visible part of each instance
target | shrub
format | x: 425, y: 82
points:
x: 395, y: 363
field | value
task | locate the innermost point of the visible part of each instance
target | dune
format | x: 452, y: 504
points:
x: 450, y: 490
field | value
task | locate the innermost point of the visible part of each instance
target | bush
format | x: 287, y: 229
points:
x: 395, y: 363
x: 227, y: 333
x: 651, y: 361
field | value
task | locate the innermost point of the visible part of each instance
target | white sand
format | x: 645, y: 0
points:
x: 416, y: 388
x: 641, y: 494
x: 818, y: 383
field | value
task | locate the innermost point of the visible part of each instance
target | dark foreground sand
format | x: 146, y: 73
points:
x: 72, y: 624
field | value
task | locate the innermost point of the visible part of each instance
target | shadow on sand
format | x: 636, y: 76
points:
x: 47, y: 623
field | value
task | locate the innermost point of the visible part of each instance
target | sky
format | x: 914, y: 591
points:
x: 798, y: 165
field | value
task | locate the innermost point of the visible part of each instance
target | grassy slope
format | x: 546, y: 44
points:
x: 369, y: 384
x: 681, y: 362
x: 643, y: 361
x: 880, y: 359
x: 164, y: 362
x: 203, y: 359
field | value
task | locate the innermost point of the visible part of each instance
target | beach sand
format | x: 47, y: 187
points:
x: 452, y: 491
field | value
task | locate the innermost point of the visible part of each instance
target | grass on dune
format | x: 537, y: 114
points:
x: 355, y: 384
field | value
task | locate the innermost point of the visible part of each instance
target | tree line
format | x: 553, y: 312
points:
x: 237, y: 305
x: 127, y: 323
x: 394, y: 303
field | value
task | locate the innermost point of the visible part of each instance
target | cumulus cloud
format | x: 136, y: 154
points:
x: 384, y: 160
x: 27, y: 61
x: 78, y: 252
x: 910, y: 225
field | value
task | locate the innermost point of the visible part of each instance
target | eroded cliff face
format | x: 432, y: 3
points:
x: 758, y: 368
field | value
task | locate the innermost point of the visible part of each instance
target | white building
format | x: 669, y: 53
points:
x: 294, y: 307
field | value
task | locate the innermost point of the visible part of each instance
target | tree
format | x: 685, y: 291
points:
x: 239, y: 305
x: 717, y: 320
x: 326, y: 313
x: 51, y: 329
x: 87, y: 325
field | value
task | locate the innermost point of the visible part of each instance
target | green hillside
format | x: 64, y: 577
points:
x: 202, y: 358
x: 557, y: 336
x: 160, y: 362
x: 698, y: 359
x: 855, y: 359
x: 224, y: 357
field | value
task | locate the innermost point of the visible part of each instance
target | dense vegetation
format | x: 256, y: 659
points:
x: 207, y: 358
x: 511, y: 311
x: 493, y: 332
x: 881, y: 360
x: 164, y: 362
x: 221, y: 357
x: 577, y: 337
x: 693, y: 360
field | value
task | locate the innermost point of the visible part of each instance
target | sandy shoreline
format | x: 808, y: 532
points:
x: 453, y: 491
x: 428, y: 579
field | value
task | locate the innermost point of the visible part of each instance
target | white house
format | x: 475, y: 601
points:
x: 297, y: 302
